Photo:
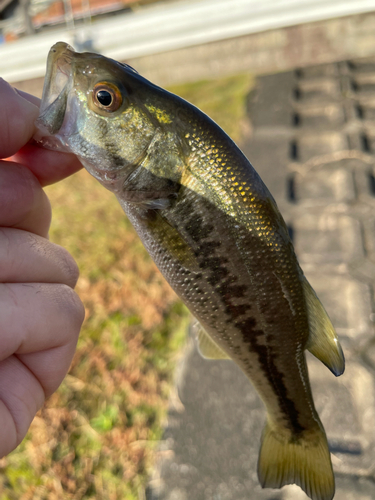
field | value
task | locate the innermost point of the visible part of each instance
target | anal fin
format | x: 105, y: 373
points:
x: 323, y: 342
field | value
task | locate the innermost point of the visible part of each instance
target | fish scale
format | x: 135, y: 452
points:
x: 216, y: 234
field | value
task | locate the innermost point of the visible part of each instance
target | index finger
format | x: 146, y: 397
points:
x: 47, y: 166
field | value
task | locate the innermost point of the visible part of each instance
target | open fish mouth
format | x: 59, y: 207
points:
x: 59, y: 73
x: 57, y: 86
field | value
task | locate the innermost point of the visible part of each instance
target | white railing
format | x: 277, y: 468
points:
x: 164, y: 27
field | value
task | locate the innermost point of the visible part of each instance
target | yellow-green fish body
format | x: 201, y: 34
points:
x: 215, y: 232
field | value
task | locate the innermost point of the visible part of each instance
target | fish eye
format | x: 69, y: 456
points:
x: 106, y: 96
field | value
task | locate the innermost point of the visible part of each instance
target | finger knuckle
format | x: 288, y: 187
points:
x: 68, y: 266
x: 72, y: 306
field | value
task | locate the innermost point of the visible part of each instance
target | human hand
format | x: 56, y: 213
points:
x: 40, y: 314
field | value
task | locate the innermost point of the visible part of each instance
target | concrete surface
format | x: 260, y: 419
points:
x: 313, y: 142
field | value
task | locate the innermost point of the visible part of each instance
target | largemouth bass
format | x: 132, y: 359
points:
x: 217, y: 236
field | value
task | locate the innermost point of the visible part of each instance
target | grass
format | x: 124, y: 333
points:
x: 95, y: 437
x: 222, y: 99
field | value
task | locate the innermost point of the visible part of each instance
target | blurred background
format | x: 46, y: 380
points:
x: 141, y: 415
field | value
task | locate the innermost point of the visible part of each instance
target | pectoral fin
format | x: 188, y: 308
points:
x: 173, y: 241
x: 207, y: 347
x: 323, y: 342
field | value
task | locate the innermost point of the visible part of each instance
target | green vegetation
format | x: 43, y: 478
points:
x: 223, y: 100
x: 94, y: 438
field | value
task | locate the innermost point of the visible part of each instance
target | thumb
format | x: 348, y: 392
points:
x: 17, y: 120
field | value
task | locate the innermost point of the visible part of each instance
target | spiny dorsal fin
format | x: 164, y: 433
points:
x: 323, y: 342
x: 304, y: 460
x: 207, y: 347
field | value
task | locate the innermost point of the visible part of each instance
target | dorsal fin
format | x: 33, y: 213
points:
x: 323, y: 342
x: 207, y: 347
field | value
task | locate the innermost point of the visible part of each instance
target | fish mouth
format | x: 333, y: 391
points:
x: 59, y: 73
x: 57, y: 85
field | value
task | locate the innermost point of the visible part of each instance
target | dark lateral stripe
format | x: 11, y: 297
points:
x: 229, y: 291
x: 250, y: 336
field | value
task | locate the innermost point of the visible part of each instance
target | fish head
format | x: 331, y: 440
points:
x: 101, y: 110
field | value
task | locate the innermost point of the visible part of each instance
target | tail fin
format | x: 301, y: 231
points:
x: 284, y: 459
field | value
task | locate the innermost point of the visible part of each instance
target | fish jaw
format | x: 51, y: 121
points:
x: 59, y: 73
x: 53, y: 109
